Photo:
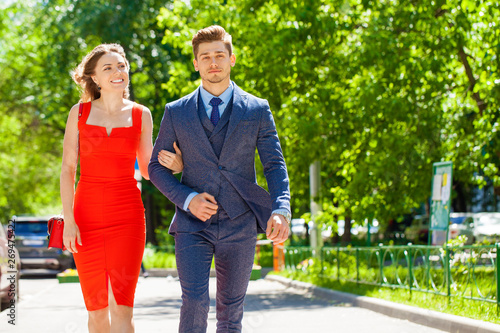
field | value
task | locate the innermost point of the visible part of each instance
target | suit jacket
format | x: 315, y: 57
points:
x: 231, y: 177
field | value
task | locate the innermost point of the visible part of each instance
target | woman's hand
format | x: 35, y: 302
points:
x: 170, y: 160
x: 71, y: 235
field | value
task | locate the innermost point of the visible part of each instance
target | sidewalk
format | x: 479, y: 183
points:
x: 270, y: 306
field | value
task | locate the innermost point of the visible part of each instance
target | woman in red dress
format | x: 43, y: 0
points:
x: 104, y: 218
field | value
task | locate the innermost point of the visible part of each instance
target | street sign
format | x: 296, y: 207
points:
x: 441, y: 196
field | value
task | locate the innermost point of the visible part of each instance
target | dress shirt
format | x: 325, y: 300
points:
x: 206, y: 97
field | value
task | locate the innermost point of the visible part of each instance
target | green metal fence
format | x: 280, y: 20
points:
x: 467, y: 271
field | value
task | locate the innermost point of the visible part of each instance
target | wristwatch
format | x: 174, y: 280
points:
x: 285, y: 213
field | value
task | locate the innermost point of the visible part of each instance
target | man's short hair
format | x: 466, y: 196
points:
x: 213, y: 33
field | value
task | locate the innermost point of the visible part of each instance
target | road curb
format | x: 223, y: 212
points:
x: 442, y: 321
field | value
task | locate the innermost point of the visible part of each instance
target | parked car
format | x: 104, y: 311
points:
x: 462, y: 224
x: 487, y: 227
x: 326, y: 230
x: 341, y: 227
x: 31, y: 242
x: 395, y: 229
x: 374, y: 230
x: 418, y: 231
x: 10, y: 267
x: 298, y: 227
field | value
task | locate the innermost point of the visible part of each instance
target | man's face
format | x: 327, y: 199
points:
x: 214, y: 62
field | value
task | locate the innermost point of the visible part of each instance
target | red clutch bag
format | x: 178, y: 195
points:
x: 55, y: 228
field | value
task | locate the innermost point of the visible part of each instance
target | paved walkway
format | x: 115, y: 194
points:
x: 270, y: 307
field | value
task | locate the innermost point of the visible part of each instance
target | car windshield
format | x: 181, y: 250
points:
x: 457, y: 220
x: 31, y: 228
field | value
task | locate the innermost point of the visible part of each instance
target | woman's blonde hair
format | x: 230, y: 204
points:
x: 82, y: 74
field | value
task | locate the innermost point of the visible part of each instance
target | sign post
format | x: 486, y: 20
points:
x: 314, y: 190
x: 440, y: 201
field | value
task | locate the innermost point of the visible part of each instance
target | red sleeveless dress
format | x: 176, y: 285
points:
x: 109, y: 212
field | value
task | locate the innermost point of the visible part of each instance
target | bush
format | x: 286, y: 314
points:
x: 156, y: 258
x: 265, y: 256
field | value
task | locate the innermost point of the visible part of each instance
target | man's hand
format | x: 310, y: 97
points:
x: 203, y: 206
x: 277, y: 228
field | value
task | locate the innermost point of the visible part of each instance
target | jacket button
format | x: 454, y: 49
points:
x: 220, y: 167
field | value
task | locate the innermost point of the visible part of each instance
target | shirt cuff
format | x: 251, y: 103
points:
x: 188, y: 200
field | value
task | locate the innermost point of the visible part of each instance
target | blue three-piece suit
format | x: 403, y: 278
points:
x: 219, y: 160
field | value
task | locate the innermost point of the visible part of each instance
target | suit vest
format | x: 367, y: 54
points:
x: 215, y: 134
x: 227, y: 196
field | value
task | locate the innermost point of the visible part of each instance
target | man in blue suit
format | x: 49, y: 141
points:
x: 219, y: 206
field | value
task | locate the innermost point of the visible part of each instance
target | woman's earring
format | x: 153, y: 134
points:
x: 98, y: 87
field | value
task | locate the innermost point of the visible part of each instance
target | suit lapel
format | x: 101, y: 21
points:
x: 240, y: 101
x: 194, y: 125
x: 240, y: 105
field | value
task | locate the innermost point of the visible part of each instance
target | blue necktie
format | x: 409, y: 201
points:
x: 215, y: 116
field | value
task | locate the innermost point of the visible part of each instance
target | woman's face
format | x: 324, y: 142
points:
x: 111, y: 73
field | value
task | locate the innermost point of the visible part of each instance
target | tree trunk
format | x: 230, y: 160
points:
x: 481, y: 104
x: 346, y: 237
x: 460, y: 202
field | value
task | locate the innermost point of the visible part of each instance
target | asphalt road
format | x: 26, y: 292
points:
x: 47, y: 306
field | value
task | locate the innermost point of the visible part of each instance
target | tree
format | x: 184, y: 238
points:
x: 28, y: 147
x: 472, y: 108
x: 361, y: 86
x: 376, y: 90
x: 37, y: 90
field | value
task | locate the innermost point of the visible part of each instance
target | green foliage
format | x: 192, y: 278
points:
x: 362, y: 87
x: 164, y: 256
x: 358, y: 270
x: 264, y: 255
x: 471, y: 269
x: 157, y: 259
x: 375, y: 90
x: 29, y: 149
x: 458, y: 241
x: 37, y: 91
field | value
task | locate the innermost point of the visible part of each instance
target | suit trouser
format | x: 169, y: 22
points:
x: 232, y: 243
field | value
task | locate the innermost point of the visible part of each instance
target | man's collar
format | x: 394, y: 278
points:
x: 225, y: 96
